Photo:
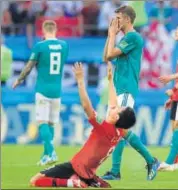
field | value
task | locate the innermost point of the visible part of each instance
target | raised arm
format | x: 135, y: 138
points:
x: 112, y: 101
x: 27, y: 69
x: 84, y: 98
x: 106, y: 50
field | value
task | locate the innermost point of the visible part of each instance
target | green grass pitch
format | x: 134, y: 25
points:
x: 19, y: 165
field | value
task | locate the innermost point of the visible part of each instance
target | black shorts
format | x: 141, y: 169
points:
x: 174, y: 111
x: 65, y: 171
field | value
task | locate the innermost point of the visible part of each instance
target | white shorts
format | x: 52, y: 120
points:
x: 47, y: 109
x: 125, y: 100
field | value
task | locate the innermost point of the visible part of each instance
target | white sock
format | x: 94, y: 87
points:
x: 175, y: 166
x: 70, y: 183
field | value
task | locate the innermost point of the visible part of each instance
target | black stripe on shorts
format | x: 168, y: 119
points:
x: 174, y: 111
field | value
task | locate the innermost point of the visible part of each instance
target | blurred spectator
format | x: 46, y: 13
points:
x: 72, y: 8
x: 90, y: 14
x: 6, y: 62
x: 39, y: 8
x: 157, y: 55
x: 161, y: 12
x: 5, y: 6
x: 18, y: 14
x: 149, y: 5
x: 54, y: 9
x: 107, y: 13
x: 6, y: 18
x: 24, y: 15
x: 141, y: 18
x: 174, y: 19
x: 34, y: 10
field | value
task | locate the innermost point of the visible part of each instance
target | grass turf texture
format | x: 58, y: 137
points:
x: 18, y: 165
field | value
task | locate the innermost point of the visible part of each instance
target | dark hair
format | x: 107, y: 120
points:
x: 126, y: 119
x: 127, y: 10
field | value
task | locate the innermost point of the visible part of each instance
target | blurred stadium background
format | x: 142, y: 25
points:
x: 84, y: 26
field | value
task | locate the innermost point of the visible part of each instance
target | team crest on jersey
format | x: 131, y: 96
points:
x: 123, y: 44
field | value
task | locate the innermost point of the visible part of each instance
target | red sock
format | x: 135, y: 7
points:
x: 50, y: 182
x: 44, y: 182
x: 61, y: 182
x: 176, y: 160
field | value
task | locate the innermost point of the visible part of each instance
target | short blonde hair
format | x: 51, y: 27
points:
x: 49, y: 26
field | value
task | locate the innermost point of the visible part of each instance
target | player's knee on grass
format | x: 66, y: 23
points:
x: 35, y: 178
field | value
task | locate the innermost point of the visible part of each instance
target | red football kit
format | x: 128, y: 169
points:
x: 100, y: 144
x: 174, y: 97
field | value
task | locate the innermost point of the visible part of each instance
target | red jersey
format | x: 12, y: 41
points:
x: 174, y: 97
x: 100, y: 144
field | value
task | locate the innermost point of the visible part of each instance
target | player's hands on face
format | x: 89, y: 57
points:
x: 169, y: 92
x: 16, y: 83
x: 165, y: 79
x: 109, y: 71
x: 114, y: 27
x: 167, y: 105
x: 78, y: 70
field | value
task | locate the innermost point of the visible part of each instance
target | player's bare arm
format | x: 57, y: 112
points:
x: 167, y: 78
x: 27, y: 69
x: 112, y: 101
x: 106, y: 46
x: 84, y: 98
x: 113, y: 51
x: 167, y: 104
x: 106, y: 50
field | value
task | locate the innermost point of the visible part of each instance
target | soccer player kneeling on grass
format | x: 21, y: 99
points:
x: 81, y: 170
